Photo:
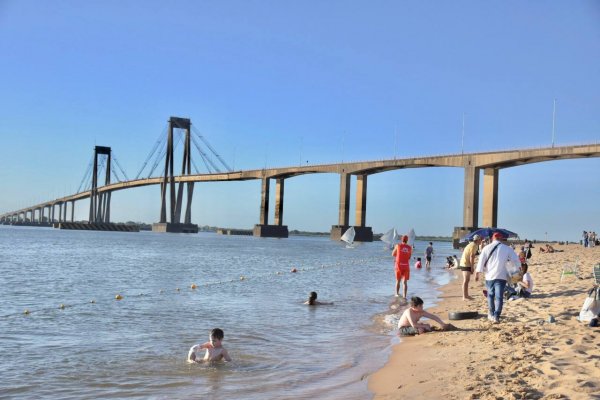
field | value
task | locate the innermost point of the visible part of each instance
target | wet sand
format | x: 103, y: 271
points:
x: 523, y: 357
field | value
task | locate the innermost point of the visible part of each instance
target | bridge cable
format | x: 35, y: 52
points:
x: 211, y: 148
x: 86, y: 175
x: 205, y: 157
x: 195, y: 166
x: 159, y: 157
x: 114, y: 158
x: 162, y: 156
x: 115, y: 175
x: 161, y: 138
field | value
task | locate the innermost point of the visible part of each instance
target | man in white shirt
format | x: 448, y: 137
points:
x: 493, y: 262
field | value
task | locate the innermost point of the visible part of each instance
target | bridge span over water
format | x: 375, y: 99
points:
x: 473, y: 164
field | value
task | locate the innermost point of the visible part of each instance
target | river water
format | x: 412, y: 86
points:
x: 99, y: 347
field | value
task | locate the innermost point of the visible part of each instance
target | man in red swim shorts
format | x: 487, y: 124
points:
x: 402, y: 251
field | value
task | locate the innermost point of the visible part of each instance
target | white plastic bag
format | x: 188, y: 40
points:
x: 514, y: 272
x: 591, y: 308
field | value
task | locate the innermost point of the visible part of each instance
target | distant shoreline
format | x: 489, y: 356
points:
x: 294, y: 232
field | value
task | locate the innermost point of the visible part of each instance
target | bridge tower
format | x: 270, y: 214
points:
x: 170, y: 220
x: 100, y: 202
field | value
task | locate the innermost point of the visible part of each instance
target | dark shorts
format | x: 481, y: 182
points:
x: 407, y: 331
x: 428, y: 258
x: 465, y: 269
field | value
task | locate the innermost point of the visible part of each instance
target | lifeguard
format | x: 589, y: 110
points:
x: 402, y: 251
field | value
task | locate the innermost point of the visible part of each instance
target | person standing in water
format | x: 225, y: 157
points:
x: 428, y: 255
x: 402, y: 251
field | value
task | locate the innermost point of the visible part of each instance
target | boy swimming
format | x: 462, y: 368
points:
x: 214, y: 348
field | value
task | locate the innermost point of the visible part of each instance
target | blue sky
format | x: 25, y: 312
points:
x: 279, y: 83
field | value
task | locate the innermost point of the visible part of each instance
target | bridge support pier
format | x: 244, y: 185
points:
x: 470, y: 204
x: 362, y: 233
x: 490, y: 197
x: 471, y: 199
x: 263, y: 229
x: 168, y: 227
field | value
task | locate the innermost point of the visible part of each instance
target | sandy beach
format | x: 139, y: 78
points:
x: 523, y: 357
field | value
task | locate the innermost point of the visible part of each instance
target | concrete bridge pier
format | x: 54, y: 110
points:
x: 263, y: 229
x: 490, y: 197
x: 363, y: 233
x: 470, y: 204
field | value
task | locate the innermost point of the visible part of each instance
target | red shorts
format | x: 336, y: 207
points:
x: 402, y: 272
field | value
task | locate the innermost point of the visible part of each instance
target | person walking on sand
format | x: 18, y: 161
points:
x: 467, y: 264
x: 428, y: 255
x: 493, y: 261
x: 402, y: 251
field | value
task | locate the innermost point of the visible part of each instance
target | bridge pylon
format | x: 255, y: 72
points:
x: 100, y: 202
x: 170, y: 220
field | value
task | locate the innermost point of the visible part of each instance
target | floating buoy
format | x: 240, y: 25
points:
x: 242, y: 278
x: 92, y: 301
x: 177, y: 290
x: 161, y: 291
x: 193, y: 286
x: 26, y: 312
x: 62, y: 306
x: 118, y: 297
x: 294, y: 270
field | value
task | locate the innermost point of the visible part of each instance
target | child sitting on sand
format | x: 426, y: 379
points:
x: 522, y: 288
x: 409, y: 324
x: 312, y: 300
x: 214, y: 348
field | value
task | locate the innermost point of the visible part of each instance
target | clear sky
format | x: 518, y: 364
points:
x: 281, y: 83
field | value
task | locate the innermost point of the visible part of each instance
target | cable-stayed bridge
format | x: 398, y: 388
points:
x: 177, y: 188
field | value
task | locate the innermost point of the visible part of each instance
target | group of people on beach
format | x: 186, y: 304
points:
x: 506, y: 272
x: 506, y: 276
x: 409, y: 323
x: 589, y: 239
x: 496, y: 261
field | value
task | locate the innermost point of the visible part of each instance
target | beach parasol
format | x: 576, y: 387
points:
x: 488, y: 232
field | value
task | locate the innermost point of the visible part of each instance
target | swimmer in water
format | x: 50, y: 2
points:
x: 214, y: 349
x: 312, y: 300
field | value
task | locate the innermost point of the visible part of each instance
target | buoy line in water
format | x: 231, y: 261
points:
x: 121, y: 296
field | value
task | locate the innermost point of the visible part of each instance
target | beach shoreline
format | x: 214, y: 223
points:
x: 523, y: 357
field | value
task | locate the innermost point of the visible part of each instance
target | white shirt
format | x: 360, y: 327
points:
x: 497, y: 263
x: 527, y: 278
